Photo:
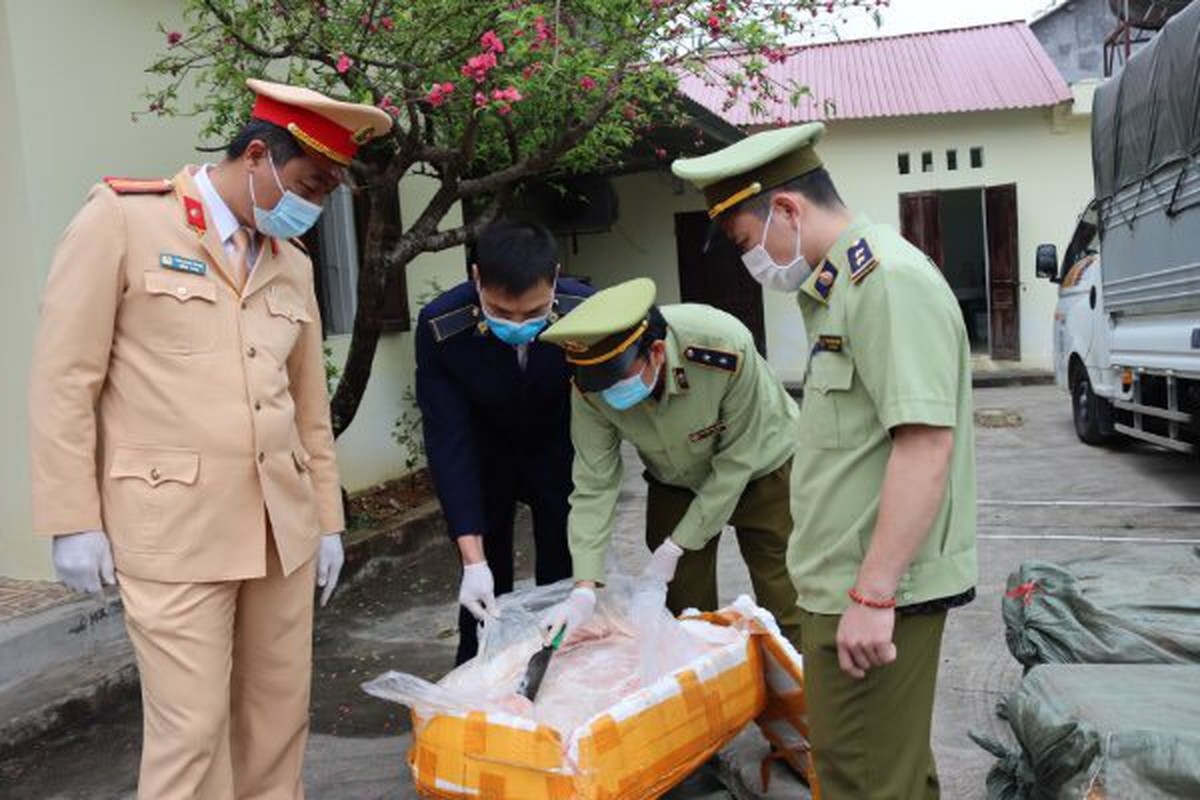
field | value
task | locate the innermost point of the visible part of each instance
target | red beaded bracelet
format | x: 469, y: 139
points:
x: 863, y: 600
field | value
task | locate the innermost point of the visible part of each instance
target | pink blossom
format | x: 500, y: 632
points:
x: 387, y: 105
x: 660, y: 153
x: 438, y: 94
x: 504, y: 109
x: 387, y: 22
x: 174, y: 38
x: 587, y: 83
x: 510, y: 95
x: 480, y: 100
x: 343, y: 64
x: 478, y: 67
x: 435, y: 96
x: 544, y: 31
x: 491, y: 43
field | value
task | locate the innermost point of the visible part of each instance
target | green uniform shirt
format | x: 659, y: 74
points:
x: 723, y: 420
x: 888, y: 348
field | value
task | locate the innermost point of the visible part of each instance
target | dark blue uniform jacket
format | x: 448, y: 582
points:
x: 494, y: 433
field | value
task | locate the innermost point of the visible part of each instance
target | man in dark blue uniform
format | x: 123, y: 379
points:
x: 495, y: 404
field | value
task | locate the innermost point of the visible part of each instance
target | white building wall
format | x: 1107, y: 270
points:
x: 1045, y: 152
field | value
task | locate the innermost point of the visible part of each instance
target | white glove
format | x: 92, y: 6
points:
x: 572, y: 613
x: 84, y: 561
x: 477, y: 592
x: 663, y: 562
x: 329, y: 564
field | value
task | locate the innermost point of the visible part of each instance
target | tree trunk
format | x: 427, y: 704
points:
x: 383, y: 232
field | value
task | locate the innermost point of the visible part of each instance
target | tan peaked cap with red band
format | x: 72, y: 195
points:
x: 333, y: 128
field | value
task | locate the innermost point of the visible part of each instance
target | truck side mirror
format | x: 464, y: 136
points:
x: 1047, y: 262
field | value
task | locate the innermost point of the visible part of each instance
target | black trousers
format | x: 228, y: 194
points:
x: 548, y: 501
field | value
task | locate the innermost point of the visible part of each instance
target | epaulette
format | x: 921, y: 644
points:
x: 862, y: 261
x: 565, y: 303
x: 139, y: 185
x: 454, y: 322
x: 714, y: 359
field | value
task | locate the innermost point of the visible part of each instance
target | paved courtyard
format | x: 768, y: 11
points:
x: 1042, y: 495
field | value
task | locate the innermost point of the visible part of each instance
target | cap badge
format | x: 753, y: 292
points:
x: 363, y: 134
x: 575, y: 347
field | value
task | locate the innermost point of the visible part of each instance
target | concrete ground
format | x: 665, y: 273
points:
x: 1042, y: 495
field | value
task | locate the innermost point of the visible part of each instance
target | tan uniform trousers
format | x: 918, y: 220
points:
x: 225, y: 670
x: 763, y: 521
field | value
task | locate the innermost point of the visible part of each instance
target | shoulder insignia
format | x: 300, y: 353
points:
x: 454, y: 322
x: 139, y: 185
x: 714, y: 359
x: 862, y: 261
x: 825, y: 279
x: 564, y: 304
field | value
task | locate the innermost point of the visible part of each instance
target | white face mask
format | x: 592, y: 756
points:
x: 771, y: 274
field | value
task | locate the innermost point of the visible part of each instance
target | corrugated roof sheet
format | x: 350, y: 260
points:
x: 982, y: 68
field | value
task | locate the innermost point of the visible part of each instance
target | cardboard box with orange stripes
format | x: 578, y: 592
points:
x: 638, y: 747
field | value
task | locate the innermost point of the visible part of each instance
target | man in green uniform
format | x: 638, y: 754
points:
x: 715, y: 430
x: 884, y: 479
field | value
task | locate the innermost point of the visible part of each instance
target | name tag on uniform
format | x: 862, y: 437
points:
x: 181, y: 264
x: 704, y: 433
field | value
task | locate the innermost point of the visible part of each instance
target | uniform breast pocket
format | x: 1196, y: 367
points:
x: 182, y: 313
x: 287, y: 317
x: 830, y: 415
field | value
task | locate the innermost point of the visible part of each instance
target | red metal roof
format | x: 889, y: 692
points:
x: 987, y: 67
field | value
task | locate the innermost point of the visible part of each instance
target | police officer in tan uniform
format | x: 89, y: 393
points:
x: 181, y: 443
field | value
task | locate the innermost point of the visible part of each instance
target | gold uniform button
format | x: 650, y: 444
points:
x: 252, y: 352
x: 182, y: 291
x: 257, y: 406
x: 155, y: 474
x: 243, y: 305
x: 262, y: 457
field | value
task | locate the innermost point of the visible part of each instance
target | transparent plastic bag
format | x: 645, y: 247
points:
x: 630, y: 642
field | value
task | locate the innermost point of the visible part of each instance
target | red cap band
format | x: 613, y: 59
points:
x: 311, y: 129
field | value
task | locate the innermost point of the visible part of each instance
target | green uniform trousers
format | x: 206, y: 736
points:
x: 763, y: 520
x: 871, y: 738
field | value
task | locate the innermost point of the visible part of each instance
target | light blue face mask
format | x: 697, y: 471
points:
x: 627, y: 393
x: 515, y: 333
x: 292, y: 216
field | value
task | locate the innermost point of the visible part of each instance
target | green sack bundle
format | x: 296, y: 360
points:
x: 1100, y: 732
x: 1106, y: 610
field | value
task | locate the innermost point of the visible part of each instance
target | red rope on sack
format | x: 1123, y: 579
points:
x: 1024, y: 592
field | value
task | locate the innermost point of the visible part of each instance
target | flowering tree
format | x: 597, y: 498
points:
x: 486, y: 93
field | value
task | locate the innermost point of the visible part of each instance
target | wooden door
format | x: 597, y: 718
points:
x: 1003, y: 270
x: 717, y: 277
x: 921, y: 223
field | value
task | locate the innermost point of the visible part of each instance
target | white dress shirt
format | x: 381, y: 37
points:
x: 222, y: 217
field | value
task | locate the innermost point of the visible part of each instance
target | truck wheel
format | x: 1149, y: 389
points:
x: 1092, y: 414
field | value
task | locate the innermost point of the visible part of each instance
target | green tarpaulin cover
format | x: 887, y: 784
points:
x: 1105, y: 610
x: 1101, y: 732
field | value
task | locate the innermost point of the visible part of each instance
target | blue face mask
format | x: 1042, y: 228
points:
x: 627, y: 393
x: 292, y: 216
x: 515, y: 333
